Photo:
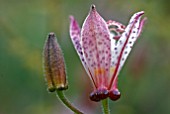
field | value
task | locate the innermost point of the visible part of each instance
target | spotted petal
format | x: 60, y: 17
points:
x: 126, y: 42
x: 96, y: 47
x: 75, y: 37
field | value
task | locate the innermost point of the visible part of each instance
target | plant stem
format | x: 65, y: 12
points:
x: 67, y: 103
x: 105, y: 106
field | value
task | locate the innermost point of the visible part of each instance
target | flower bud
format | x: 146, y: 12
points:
x: 54, y: 65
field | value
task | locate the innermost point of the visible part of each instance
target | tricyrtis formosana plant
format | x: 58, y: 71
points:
x: 103, y: 48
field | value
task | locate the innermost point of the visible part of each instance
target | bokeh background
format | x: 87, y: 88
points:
x: 24, y: 24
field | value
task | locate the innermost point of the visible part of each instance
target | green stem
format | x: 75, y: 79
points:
x: 67, y: 103
x: 105, y: 106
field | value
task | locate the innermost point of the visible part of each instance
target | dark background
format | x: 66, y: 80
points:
x: 24, y: 24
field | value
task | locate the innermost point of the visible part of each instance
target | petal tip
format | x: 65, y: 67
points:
x: 93, y: 7
x: 71, y: 17
x: 138, y: 15
x: 141, y: 13
x: 145, y: 19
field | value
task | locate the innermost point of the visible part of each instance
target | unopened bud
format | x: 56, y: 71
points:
x: 54, y: 65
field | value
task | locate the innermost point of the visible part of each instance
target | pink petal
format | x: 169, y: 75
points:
x: 125, y: 43
x: 75, y: 34
x: 132, y: 35
x: 141, y: 26
x: 75, y: 37
x: 96, y: 46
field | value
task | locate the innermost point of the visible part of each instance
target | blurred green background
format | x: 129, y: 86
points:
x: 24, y: 24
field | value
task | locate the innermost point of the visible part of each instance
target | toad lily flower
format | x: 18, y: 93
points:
x: 103, y: 48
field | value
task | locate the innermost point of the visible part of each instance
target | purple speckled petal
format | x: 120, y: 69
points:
x: 133, y: 34
x: 75, y: 37
x: 125, y: 43
x: 95, y: 39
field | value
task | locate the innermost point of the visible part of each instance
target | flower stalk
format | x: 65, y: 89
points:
x: 105, y: 106
x: 67, y: 103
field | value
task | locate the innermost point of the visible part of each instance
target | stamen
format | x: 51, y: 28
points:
x: 99, y: 94
x: 114, y: 94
